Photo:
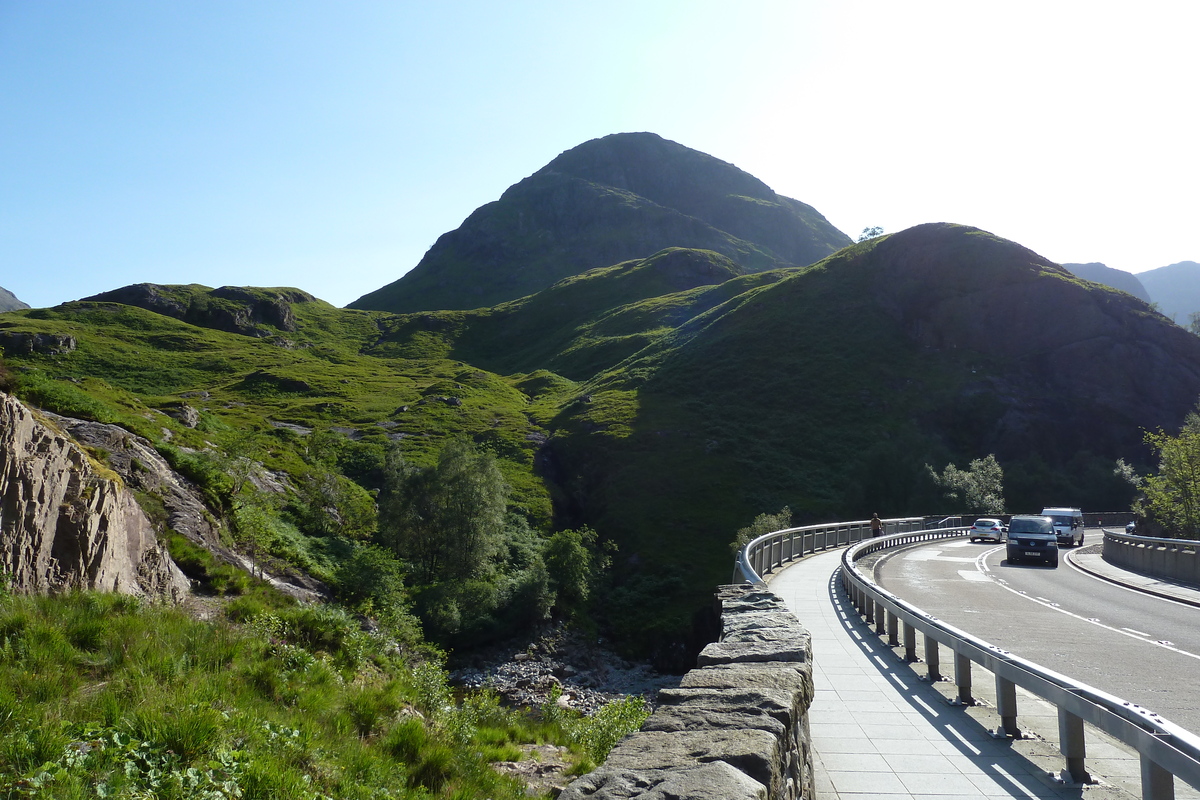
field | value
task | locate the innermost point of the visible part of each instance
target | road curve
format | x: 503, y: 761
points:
x: 1141, y: 648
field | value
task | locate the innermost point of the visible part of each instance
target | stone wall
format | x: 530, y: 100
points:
x: 737, y: 726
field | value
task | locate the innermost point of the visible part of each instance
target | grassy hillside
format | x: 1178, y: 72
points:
x: 663, y: 401
x: 102, y: 696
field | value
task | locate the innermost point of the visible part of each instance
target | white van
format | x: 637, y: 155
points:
x: 1068, y: 525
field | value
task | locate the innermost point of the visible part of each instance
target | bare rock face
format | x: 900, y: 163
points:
x: 50, y: 344
x: 65, y: 523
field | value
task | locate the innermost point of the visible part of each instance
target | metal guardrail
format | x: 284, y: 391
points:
x: 772, y: 550
x: 1167, y: 751
x: 1174, y: 559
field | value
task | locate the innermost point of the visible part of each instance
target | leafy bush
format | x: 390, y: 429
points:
x: 199, y: 564
x: 599, y: 733
x: 61, y: 397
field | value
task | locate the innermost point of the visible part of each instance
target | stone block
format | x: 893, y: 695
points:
x: 749, y: 675
x: 754, y: 752
x: 713, y: 781
x: 739, y: 652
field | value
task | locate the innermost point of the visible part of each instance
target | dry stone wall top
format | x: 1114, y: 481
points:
x: 737, y: 726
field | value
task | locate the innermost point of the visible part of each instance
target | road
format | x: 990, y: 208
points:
x: 1138, y: 647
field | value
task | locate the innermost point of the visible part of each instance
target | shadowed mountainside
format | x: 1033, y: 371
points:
x: 624, y: 196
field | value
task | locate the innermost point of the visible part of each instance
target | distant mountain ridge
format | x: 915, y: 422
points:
x: 1175, y: 289
x: 9, y: 301
x: 609, y: 200
x: 1117, y: 278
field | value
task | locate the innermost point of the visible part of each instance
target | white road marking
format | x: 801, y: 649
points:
x: 981, y: 566
x: 935, y: 555
x: 973, y: 575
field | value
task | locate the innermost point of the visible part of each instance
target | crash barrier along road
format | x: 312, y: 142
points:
x: 1173, y: 559
x: 1167, y: 751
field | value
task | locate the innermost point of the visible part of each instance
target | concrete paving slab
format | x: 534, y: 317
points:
x: 879, y: 730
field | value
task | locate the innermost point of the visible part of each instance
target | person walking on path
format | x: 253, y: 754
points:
x: 876, y: 525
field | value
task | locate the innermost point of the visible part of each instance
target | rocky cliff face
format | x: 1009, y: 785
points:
x: 67, y: 523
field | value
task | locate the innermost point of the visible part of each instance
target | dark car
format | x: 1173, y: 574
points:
x: 987, y: 528
x: 1031, y: 538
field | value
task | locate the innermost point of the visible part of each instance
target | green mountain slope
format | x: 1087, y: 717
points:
x: 582, y: 324
x: 664, y: 401
x: 621, y: 197
x: 829, y: 390
x: 135, y: 365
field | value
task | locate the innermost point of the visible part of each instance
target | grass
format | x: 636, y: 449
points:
x: 104, y: 696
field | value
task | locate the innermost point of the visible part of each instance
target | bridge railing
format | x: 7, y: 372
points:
x: 1167, y: 750
x: 773, y: 550
x: 1174, y: 559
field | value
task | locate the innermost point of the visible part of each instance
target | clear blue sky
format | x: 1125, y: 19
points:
x: 326, y: 145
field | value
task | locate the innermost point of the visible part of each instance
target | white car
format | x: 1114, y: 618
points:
x: 988, y: 528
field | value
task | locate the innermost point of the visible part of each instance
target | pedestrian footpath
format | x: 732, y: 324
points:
x: 878, y: 730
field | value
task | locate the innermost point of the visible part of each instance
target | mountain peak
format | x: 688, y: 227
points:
x: 608, y: 200
x: 9, y: 301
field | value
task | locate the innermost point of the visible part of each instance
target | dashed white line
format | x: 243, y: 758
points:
x: 1141, y: 636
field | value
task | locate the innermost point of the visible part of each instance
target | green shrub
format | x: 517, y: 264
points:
x: 61, y: 397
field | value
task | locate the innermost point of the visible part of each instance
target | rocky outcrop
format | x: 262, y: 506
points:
x: 233, y: 309
x: 140, y: 467
x: 737, y: 726
x: 15, y: 343
x: 68, y: 523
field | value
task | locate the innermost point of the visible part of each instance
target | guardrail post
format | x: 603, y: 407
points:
x: 962, y: 679
x: 867, y: 608
x: 931, y: 659
x: 893, y: 630
x: 1071, y: 745
x: 1157, y: 783
x: 1006, y: 706
x: 880, y: 617
x: 910, y: 643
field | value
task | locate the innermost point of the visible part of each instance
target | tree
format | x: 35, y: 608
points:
x: 446, y: 521
x: 1194, y: 322
x: 1172, y: 497
x: 870, y: 233
x: 575, y: 560
x: 762, y: 524
x: 979, y: 488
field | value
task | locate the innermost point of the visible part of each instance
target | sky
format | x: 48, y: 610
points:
x: 326, y: 145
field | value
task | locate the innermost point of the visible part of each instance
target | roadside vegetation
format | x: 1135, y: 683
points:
x: 1168, y: 504
x: 106, y: 696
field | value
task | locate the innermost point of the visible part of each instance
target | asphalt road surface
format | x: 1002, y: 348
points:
x: 1138, y: 647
